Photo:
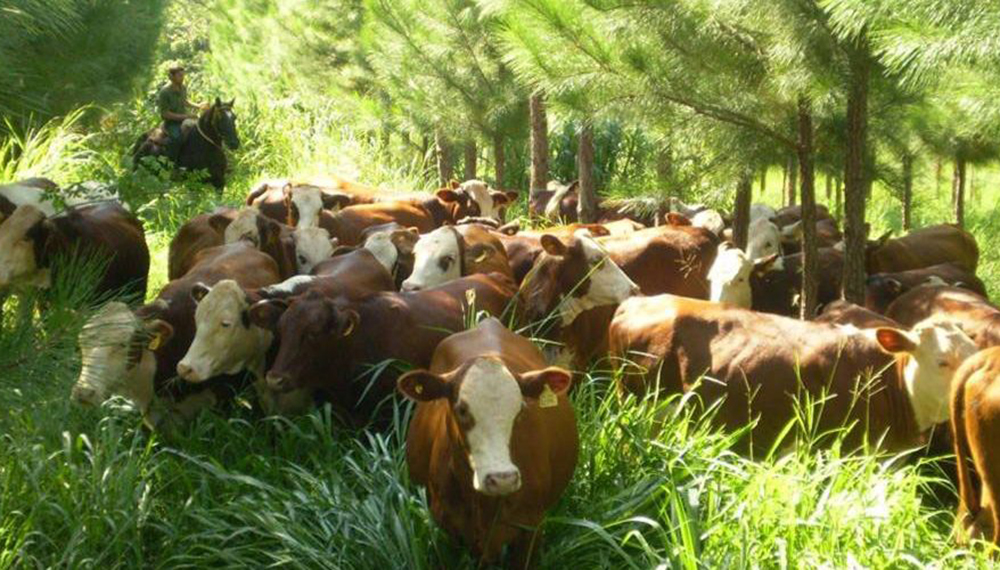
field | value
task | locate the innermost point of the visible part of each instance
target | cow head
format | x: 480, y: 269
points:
x: 773, y: 285
x: 312, y: 245
x: 448, y: 253
x: 764, y: 240
x: 572, y: 278
x: 484, y: 400
x: 880, y: 291
x: 305, y: 201
x: 224, y: 342
x: 308, y: 325
x: 249, y: 225
x: 394, y: 248
x: 23, y: 235
x: 729, y: 277
x: 935, y: 352
x: 458, y: 201
x: 491, y: 202
x: 117, y: 356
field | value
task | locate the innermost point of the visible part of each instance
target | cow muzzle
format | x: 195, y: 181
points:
x: 500, y: 483
x: 278, y: 382
x: 188, y: 373
x: 409, y: 287
x: 85, y: 395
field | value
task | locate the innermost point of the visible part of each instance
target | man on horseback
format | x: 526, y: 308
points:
x: 173, y: 104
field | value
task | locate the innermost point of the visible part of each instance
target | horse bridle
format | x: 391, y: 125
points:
x: 206, y: 137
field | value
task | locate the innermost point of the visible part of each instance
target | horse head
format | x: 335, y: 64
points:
x: 223, y: 121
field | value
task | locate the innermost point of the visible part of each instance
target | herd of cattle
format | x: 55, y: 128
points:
x: 329, y: 293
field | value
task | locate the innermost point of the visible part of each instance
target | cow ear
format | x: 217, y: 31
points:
x: 351, y: 318
x: 510, y: 229
x: 455, y: 185
x: 287, y: 190
x: 596, y: 230
x: 265, y: 314
x: 447, y: 195
x: 335, y: 200
x: 511, y: 196
x: 219, y: 222
x: 895, y: 341
x: 404, y: 240
x: 268, y: 229
x: 160, y: 332
x: 765, y: 264
x: 424, y: 386
x: 895, y: 287
x: 553, y: 246
x: 677, y: 219
x: 792, y: 232
x: 198, y: 291
x: 231, y: 102
x: 478, y: 253
x: 218, y: 102
x: 557, y: 379
x: 883, y: 238
x: 500, y: 198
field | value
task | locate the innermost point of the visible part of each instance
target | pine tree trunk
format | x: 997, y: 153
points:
x: 498, y: 160
x: 587, y: 206
x: 664, y: 168
x: 784, y: 181
x: 539, y: 144
x: 838, y: 196
x: 810, y: 263
x: 855, y: 174
x: 741, y: 209
x: 972, y: 184
x: 937, y: 175
x: 471, y: 155
x: 792, y: 188
x: 829, y: 188
x: 958, y: 189
x: 907, y: 192
x: 445, y: 161
x: 763, y: 181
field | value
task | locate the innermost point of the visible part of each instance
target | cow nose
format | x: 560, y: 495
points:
x: 84, y: 395
x: 186, y: 372
x: 277, y: 382
x: 503, y: 482
x: 409, y: 287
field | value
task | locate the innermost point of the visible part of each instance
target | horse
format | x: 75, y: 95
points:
x: 202, y: 142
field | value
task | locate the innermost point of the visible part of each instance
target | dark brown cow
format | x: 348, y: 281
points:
x: 883, y: 288
x: 775, y: 286
x: 924, y: 247
x: 975, y: 423
x: 199, y: 233
x: 493, y: 439
x: 759, y: 364
x: 979, y: 318
x: 451, y: 252
x: 564, y: 208
x: 28, y: 191
x: 335, y: 345
x: 31, y: 244
x: 841, y: 312
x: 790, y: 215
x: 827, y: 235
x: 160, y: 333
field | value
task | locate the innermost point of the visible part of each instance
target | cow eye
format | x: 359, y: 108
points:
x: 226, y: 324
x: 302, y: 259
x: 447, y: 261
x: 462, y: 412
x: 943, y: 363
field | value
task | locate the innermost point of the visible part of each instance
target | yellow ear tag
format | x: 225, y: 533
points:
x: 154, y: 343
x: 548, y: 398
x: 419, y: 388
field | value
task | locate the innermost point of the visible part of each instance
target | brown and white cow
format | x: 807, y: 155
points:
x: 975, y: 424
x: 393, y: 246
x: 758, y: 365
x: 923, y: 247
x: 163, y: 330
x: 299, y: 204
x: 295, y: 250
x: 882, y: 289
x: 493, y: 439
x: 450, y: 252
x: 979, y: 318
x: 30, y: 244
x: 331, y: 344
x: 729, y: 276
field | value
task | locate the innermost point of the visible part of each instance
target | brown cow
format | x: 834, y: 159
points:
x: 295, y: 250
x: 759, y: 365
x: 790, y: 215
x: 493, y: 439
x: 142, y: 356
x: 199, y: 233
x: 883, y: 288
x: 298, y: 204
x: 922, y: 248
x: 979, y: 318
x: 332, y: 345
x: 827, y: 235
x: 31, y: 244
x: 450, y: 252
x: 975, y: 423
x: 445, y: 207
